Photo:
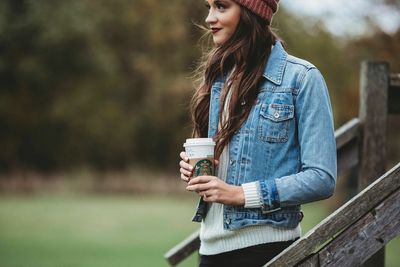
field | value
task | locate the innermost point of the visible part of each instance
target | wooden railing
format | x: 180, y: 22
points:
x: 357, y: 232
x: 354, y: 232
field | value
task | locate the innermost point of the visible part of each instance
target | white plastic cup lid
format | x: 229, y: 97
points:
x: 199, y: 142
x: 199, y: 147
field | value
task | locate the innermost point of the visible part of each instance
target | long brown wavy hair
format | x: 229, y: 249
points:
x: 244, y: 55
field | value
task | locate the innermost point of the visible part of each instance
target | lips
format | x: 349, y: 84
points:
x: 215, y: 30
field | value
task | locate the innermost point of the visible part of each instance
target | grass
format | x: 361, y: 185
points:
x: 78, y: 230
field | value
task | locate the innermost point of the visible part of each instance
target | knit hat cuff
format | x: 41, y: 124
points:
x: 263, y: 8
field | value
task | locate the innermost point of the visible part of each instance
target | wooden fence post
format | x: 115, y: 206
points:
x: 374, y: 85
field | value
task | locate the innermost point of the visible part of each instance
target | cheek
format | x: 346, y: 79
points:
x: 232, y: 29
x: 233, y: 25
x: 235, y: 19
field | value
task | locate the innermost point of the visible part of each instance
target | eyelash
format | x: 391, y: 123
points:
x: 219, y: 6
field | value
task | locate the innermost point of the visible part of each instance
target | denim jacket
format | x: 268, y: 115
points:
x: 287, y: 145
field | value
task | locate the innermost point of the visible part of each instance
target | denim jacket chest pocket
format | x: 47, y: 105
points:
x: 274, y: 122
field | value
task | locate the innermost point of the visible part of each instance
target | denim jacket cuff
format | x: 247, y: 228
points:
x: 270, y: 196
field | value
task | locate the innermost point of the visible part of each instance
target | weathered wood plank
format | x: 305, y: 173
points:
x: 374, y: 86
x: 339, y: 220
x: 394, y: 94
x: 313, y: 261
x: 183, y: 249
x: 395, y: 80
x: 347, y: 156
x: 347, y: 132
x: 347, y: 145
x: 363, y: 239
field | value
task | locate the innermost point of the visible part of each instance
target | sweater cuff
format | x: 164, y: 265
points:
x: 251, y: 195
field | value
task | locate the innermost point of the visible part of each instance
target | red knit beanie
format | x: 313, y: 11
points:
x: 262, y: 8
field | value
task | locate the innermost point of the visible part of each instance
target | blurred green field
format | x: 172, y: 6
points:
x: 76, y: 230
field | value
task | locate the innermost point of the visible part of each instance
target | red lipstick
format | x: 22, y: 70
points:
x: 215, y: 30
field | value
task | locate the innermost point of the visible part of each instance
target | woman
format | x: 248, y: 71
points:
x: 270, y: 116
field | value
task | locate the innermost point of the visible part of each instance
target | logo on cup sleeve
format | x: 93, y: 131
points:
x: 203, y: 167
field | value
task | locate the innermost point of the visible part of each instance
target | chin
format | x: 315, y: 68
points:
x: 218, y: 42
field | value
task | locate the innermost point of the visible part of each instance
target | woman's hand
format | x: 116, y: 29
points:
x: 186, y: 169
x: 213, y: 189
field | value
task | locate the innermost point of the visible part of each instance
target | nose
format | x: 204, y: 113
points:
x: 211, y: 18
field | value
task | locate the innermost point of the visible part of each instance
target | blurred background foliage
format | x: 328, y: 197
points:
x: 94, y: 83
x: 106, y: 84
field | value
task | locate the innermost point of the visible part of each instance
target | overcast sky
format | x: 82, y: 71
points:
x: 345, y: 16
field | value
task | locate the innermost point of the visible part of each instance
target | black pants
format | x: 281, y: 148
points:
x: 254, y: 256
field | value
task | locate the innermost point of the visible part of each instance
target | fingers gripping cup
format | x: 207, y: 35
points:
x: 200, y: 152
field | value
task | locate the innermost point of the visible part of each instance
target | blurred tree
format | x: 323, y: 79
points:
x: 88, y: 82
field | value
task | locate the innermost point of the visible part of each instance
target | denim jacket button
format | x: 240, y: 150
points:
x: 276, y: 115
x: 228, y: 221
x: 231, y: 162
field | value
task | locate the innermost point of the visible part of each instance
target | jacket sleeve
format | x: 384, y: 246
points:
x: 317, y: 177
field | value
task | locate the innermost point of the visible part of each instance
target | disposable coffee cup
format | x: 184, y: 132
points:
x: 200, y: 152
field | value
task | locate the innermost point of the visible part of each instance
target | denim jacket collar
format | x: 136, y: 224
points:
x: 276, y: 64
